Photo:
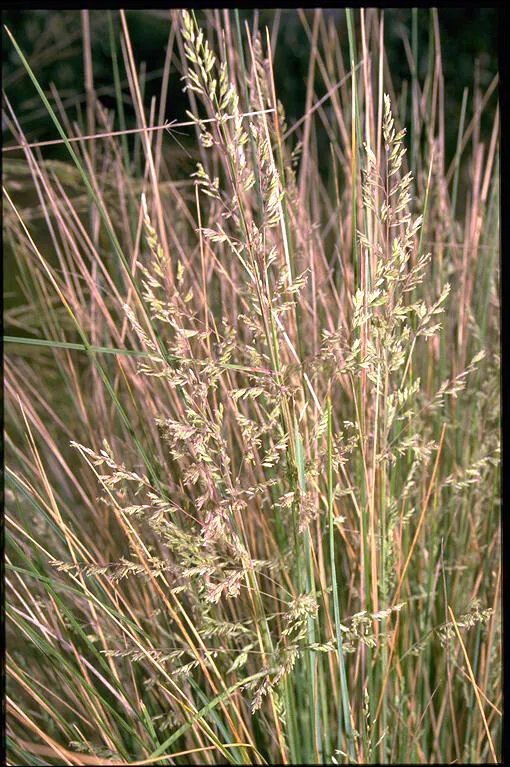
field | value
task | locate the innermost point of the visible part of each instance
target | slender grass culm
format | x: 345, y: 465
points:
x: 252, y: 410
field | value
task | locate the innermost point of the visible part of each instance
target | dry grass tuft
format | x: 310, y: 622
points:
x: 252, y: 424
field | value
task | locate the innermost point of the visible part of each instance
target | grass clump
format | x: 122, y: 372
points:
x: 252, y: 435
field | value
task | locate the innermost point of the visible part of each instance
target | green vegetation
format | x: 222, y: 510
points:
x: 252, y: 411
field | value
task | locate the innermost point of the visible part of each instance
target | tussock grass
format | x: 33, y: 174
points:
x: 252, y: 421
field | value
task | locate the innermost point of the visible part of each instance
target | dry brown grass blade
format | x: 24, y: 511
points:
x: 475, y: 686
